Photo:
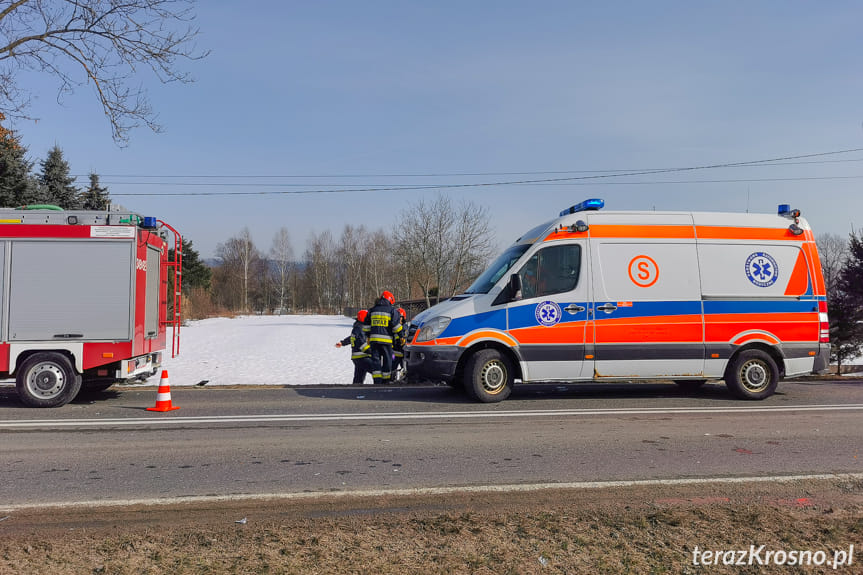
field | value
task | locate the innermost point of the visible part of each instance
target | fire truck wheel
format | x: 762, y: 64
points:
x: 752, y: 374
x: 47, y: 379
x: 488, y: 376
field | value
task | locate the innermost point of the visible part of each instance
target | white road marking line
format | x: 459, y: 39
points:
x: 525, y: 487
x: 299, y: 418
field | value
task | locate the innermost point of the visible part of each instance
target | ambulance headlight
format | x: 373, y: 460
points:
x: 433, y: 328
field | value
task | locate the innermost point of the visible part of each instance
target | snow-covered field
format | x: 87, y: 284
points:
x: 268, y: 350
x: 264, y: 350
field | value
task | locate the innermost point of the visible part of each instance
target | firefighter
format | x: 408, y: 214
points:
x: 383, y: 320
x: 359, y: 349
x: 399, y: 342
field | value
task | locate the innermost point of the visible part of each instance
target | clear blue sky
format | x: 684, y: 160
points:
x: 346, y: 89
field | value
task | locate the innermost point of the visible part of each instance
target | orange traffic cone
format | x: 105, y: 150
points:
x: 163, y: 396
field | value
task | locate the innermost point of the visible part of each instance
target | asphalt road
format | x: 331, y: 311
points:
x: 107, y: 447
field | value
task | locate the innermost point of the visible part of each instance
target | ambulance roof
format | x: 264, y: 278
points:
x: 595, y: 216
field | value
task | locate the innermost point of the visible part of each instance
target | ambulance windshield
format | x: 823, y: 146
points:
x: 497, y: 269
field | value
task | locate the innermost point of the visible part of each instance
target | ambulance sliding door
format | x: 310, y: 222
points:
x: 549, y: 322
x: 647, y: 305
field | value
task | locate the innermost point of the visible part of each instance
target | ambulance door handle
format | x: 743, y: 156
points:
x: 573, y: 309
x: 608, y: 308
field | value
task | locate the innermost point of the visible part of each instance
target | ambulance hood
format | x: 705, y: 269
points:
x: 450, y: 308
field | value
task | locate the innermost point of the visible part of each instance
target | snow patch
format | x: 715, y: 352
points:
x: 262, y: 350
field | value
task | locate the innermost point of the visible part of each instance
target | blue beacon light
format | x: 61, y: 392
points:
x: 586, y: 205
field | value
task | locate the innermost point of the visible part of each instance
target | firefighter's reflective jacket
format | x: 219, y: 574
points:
x: 359, y: 343
x: 399, y: 341
x: 384, y: 322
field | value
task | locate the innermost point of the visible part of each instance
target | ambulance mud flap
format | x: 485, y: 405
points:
x: 822, y: 360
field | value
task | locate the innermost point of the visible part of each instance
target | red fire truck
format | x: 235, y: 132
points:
x: 84, y: 299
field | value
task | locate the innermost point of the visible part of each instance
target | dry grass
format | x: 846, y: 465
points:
x: 625, y: 531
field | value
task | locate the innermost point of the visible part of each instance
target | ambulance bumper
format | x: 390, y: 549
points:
x: 436, y: 363
x: 822, y: 360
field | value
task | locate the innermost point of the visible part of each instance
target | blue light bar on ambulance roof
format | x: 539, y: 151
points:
x: 591, y: 204
x: 786, y: 211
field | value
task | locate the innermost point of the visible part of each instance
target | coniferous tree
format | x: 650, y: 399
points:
x: 845, y: 306
x: 17, y: 185
x: 196, y: 274
x: 196, y: 278
x: 57, y: 182
x: 95, y: 197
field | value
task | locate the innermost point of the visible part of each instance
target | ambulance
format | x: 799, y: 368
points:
x: 597, y: 295
x: 84, y: 299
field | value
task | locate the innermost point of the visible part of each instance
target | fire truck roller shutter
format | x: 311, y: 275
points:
x: 79, y: 290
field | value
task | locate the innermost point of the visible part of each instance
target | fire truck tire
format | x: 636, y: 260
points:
x: 47, y: 379
x: 488, y: 376
x: 752, y: 374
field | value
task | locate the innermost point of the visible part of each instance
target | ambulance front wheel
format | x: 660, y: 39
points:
x: 488, y: 376
x: 47, y: 379
x: 752, y: 375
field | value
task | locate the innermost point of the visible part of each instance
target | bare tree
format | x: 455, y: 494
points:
x: 833, y: 251
x: 471, y: 246
x: 442, y: 246
x: 320, y: 272
x: 349, y: 259
x: 105, y: 42
x: 239, y: 260
x: 282, y: 256
x: 425, y: 235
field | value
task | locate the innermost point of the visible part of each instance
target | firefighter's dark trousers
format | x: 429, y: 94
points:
x: 362, y: 366
x: 382, y: 358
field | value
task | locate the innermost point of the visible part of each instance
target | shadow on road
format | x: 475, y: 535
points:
x: 531, y: 392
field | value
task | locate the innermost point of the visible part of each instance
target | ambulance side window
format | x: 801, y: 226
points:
x: 551, y: 270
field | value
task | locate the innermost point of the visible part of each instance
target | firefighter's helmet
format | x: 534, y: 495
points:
x: 403, y: 313
x: 361, y: 315
x: 389, y: 297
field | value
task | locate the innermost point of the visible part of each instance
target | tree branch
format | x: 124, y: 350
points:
x: 105, y: 41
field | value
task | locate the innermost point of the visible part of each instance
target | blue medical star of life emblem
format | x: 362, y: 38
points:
x: 548, y: 313
x: 761, y: 269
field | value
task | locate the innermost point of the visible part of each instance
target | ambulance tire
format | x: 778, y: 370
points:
x: 752, y: 374
x: 47, y: 379
x: 488, y: 376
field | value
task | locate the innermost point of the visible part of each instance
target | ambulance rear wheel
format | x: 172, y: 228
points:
x: 488, y: 376
x: 47, y: 379
x: 752, y: 374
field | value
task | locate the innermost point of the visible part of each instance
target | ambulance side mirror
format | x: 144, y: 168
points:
x: 515, y: 287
